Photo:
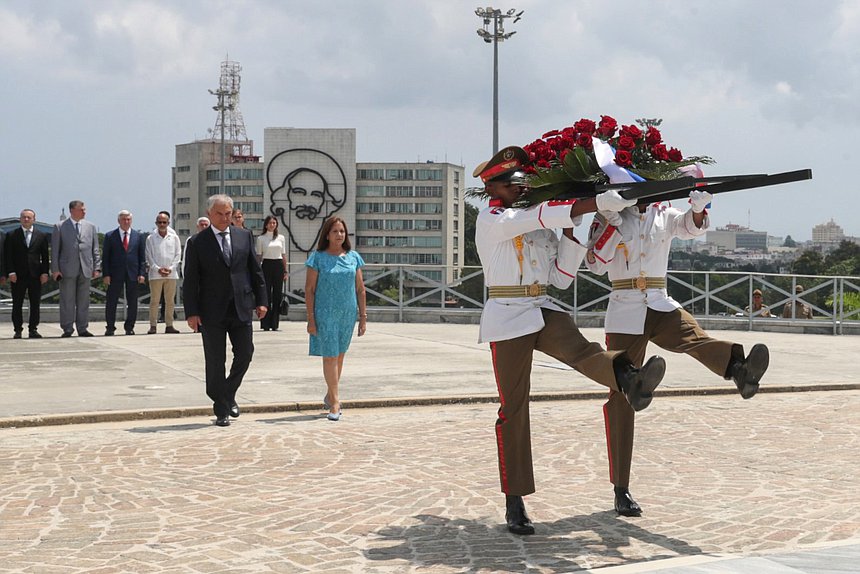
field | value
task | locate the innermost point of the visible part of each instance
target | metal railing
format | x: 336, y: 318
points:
x: 834, y: 300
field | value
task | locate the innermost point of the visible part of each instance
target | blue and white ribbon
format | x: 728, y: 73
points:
x: 605, y: 156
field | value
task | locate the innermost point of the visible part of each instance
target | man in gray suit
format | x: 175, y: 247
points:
x: 75, y: 261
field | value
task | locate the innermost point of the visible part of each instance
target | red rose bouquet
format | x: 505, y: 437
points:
x: 564, y: 163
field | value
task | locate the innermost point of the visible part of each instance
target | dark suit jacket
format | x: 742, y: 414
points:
x: 210, y: 285
x: 27, y: 262
x: 116, y: 261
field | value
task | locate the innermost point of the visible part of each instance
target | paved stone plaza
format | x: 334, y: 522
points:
x: 727, y: 485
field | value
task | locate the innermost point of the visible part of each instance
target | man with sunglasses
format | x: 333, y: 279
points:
x: 163, y: 254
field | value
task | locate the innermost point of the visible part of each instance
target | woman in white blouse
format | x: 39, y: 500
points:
x: 272, y: 253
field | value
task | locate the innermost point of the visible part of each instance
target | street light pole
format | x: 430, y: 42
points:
x: 497, y: 17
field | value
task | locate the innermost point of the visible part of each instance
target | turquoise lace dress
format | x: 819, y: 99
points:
x: 335, y: 304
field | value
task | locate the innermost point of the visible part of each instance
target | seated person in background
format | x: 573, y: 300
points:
x: 758, y: 305
x: 801, y: 310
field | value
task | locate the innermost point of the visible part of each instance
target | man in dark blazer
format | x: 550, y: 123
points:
x: 75, y: 261
x: 27, y: 267
x: 223, y: 284
x: 123, y: 265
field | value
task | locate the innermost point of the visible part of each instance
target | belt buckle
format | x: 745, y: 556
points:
x: 641, y: 283
x: 533, y: 290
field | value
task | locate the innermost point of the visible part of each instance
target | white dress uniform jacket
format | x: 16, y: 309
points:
x: 640, y: 248
x: 546, y: 260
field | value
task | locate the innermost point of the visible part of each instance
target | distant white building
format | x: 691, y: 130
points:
x: 829, y: 232
x: 733, y: 237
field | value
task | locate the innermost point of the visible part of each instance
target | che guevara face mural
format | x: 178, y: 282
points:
x: 307, y: 186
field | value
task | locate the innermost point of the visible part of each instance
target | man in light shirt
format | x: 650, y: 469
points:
x: 163, y: 254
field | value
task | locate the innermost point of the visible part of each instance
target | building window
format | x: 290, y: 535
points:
x: 183, y: 184
x: 370, y: 191
x: 233, y: 173
x: 183, y: 216
x: 183, y: 168
x: 456, y: 259
x: 362, y: 207
x: 456, y: 192
x: 398, y: 191
x: 456, y: 225
x: 428, y: 191
x: 252, y: 190
x: 249, y: 206
x: 370, y: 174
x: 399, y: 208
x: 456, y: 209
x: 428, y: 208
x: 181, y: 200
x: 213, y: 175
x: 428, y: 174
x: 253, y: 173
x: 456, y: 242
x: 213, y: 189
x: 427, y: 225
x: 372, y: 257
x: 369, y: 224
x: 399, y: 224
x: 398, y: 174
x: 370, y: 241
x: 456, y: 176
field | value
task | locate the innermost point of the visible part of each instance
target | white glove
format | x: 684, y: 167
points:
x: 613, y: 218
x: 612, y: 201
x: 577, y: 220
x: 699, y: 200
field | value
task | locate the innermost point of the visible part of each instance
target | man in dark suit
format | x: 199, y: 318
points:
x: 223, y: 283
x: 27, y: 266
x: 75, y: 261
x: 123, y: 265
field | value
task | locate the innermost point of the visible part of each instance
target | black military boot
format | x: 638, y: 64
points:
x: 516, y: 517
x: 746, y: 373
x: 624, y: 503
x: 639, y: 384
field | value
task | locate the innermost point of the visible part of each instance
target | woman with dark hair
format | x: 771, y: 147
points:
x: 335, y: 297
x: 272, y: 254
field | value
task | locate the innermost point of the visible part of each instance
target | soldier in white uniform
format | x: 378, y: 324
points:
x: 521, y: 253
x: 632, y: 245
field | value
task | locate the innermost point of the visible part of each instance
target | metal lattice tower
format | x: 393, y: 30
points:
x: 230, y: 118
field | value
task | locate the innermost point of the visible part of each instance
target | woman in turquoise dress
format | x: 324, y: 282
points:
x: 335, y: 297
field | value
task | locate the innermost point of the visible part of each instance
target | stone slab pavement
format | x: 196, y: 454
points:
x: 59, y: 380
x: 727, y: 485
x: 412, y: 487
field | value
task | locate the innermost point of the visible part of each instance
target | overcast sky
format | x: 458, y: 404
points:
x: 96, y: 94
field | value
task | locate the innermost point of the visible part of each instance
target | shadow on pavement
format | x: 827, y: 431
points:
x: 169, y: 428
x: 293, y: 419
x: 556, y: 546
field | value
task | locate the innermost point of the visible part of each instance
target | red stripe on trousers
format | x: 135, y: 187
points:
x: 606, y: 425
x: 499, y: 441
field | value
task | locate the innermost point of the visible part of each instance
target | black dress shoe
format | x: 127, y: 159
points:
x: 35, y: 334
x: 109, y: 332
x: 17, y: 335
x: 129, y: 332
x: 624, y: 503
x: 234, y: 410
x: 85, y: 334
x: 516, y: 517
x: 66, y: 334
x: 638, y: 384
x: 222, y: 421
x: 747, y: 373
